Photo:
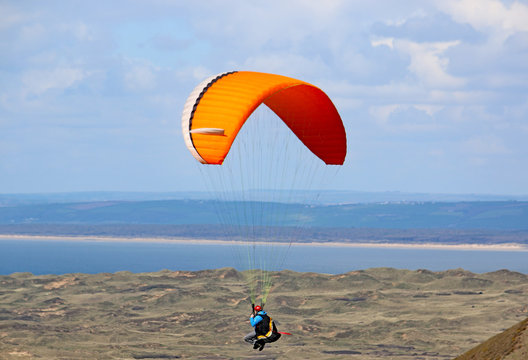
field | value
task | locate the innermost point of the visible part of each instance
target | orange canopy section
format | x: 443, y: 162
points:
x: 219, y: 106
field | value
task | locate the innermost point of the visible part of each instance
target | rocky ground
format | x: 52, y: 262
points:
x: 371, y: 314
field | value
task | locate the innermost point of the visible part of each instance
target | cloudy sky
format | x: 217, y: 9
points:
x: 433, y: 94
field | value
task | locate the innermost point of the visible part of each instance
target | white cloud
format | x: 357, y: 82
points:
x: 429, y: 109
x: 389, y: 42
x: 419, y: 13
x: 485, y: 145
x: 39, y: 81
x: 347, y: 103
x: 429, y: 64
x: 428, y: 61
x: 80, y: 30
x: 389, y: 118
x: 414, y: 84
x: 518, y: 114
x: 286, y: 64
x: 33, y: 33
x: 199, y: 73
x: 11, y: 17
x: 437, y: 153
x: 488, y: 14
x: 462, y: 97
x: 381, y: 113
x: 407, y: 119
x: 141, y: 76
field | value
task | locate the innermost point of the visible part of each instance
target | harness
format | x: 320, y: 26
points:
x: 265, y: 328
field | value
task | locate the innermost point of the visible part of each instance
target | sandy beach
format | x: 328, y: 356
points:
x: 193, y: 241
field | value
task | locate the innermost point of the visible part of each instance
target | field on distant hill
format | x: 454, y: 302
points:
x: 371, y: 314
x: 497, y: 215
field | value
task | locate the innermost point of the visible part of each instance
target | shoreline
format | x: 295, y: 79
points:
x: 193, y: 241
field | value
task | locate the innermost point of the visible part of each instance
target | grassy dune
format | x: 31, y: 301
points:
x: 371, y: 314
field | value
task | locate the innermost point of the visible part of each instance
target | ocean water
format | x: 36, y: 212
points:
x: 62, y: 257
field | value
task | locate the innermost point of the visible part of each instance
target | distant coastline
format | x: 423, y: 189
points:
x: 194, y: 241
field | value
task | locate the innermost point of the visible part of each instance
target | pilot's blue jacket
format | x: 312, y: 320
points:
x: 256, y: 319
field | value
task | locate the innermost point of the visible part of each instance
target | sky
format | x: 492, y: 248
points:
x: 433, y: 94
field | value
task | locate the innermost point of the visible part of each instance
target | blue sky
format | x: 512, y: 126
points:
x: 433, y: 94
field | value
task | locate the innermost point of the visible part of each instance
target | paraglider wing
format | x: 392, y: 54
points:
x: 219, y: 106
x: 266, y: 170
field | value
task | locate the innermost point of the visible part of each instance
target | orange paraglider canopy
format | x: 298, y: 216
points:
x: 218, y: 107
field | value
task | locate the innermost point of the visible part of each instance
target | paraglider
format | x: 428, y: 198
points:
x: 263, y: 140
x: 265, y: 329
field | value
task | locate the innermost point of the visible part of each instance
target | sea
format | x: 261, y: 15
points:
x: 63, y: 257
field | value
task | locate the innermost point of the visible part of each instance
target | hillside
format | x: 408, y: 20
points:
x: 329, y: 197
x: 371, y: 314
x: 491, y: 215
x: 511, y: 344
